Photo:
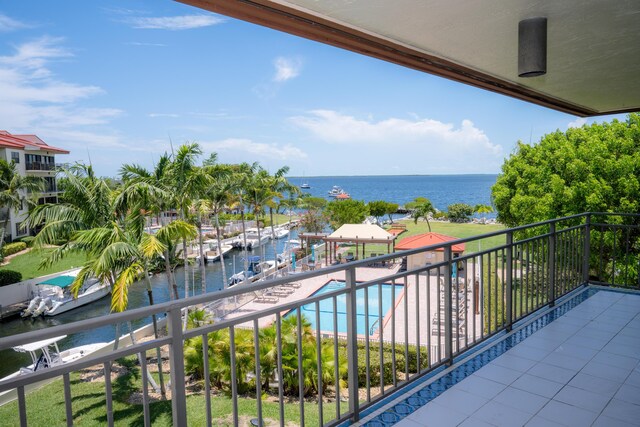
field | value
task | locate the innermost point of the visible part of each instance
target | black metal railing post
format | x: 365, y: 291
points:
x: 552, y: 264
x: 352, y: 342
x: 448, y: 309
x: 509, y: 280
x: 587, y: 249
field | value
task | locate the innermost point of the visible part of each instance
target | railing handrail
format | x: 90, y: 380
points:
x: 114, y: 318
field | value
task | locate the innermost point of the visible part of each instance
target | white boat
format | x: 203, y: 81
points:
x: 54, y: 295
x: 252, y: 234
x: 305, y: 185
x: 278, y: 232
x: 337, y: 191
x: 213, y: 255
x: 45, y: 354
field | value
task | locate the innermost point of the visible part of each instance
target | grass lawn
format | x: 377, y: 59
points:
x: 28, y: 263
x: 459, y: 230
x: 450, y: 229
x: 46, y: 406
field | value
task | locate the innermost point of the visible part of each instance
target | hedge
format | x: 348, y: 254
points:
x: 28, y: 240
x: 374, y: 362
x: 8, y: 277
x: 12, y: 248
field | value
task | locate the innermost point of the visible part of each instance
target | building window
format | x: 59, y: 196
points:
x: 15, y: 157
x: 20, y: 230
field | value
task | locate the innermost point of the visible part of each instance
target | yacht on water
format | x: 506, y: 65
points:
x: 338, y: 192
x: 54, y: 295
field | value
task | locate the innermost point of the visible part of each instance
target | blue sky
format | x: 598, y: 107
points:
x: 116, y: 81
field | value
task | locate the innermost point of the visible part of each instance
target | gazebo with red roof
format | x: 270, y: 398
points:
x: 427, y: 239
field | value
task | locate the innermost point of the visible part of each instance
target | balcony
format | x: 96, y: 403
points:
x: 39, y: 166
x: 539, y: 324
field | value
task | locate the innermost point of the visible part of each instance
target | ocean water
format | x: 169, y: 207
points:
x: 442, y: 190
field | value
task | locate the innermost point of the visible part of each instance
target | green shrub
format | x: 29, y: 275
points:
x: 28, y: 240
x: 12, y: 248
x: 387, y: 365
x: 8, y: 277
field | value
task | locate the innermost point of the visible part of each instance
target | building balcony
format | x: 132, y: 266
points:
x: 39, y: 166
x: 536, y: 325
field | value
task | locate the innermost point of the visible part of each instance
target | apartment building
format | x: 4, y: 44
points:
x: 35, y: 157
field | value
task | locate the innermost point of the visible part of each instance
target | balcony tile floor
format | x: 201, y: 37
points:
x: 581, y: 369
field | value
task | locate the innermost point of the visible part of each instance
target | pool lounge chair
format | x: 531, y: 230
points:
x: 270, y: 299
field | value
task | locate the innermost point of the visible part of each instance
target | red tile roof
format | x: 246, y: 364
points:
x: 27, y: 142
x: 428, y: 239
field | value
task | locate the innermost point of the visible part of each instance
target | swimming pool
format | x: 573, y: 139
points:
x: 326, y: 308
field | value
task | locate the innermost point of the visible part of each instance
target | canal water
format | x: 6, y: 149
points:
x: 12, y: 361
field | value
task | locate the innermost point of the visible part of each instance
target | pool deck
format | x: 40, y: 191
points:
x: 308, y: 287
x: 413, y: 332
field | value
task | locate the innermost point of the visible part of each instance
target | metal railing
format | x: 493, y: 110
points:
x: 39, y: 166
x: 323, y: 354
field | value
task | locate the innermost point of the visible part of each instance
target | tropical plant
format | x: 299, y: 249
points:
x: 377, y: 208
x: 459, y: 212
x: 349, y: 211
x: 422, y: 209
x: 15, y: 190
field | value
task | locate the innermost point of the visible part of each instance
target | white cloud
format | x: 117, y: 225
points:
x: 174, y: 23
x: 154, y: 115
x: 255, y: 150
x: 146, y: 44
x: 9, y: 24
x: 424, y: 145
x: 577, y: 123
x: 34, y: 101
x: 286, y: 68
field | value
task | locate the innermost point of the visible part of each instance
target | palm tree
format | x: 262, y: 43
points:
x: 149, y: 190
x: 422, y: 210
x: 186, y: 183
x: 14, y: 189
x: 87, y: 202
x: 219, y: 195
x: 241, y: 179
x: 278, y: 185
x: 260, y: 195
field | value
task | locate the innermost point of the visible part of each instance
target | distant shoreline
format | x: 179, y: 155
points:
x: 400, y: 175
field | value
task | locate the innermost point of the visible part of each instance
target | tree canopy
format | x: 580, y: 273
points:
x: 459, y: 212
x: 593, y: 168
x: 342, y: 212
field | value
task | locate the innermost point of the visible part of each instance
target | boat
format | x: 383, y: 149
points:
x: 46, y: 354
x: 252, y: 234
x: 343, y: 196
x: 305, y: 185
x: 54, y: 295
x: 243, y: 275
x: 213, y: 254
x: 280, y: 233
x: 335, y: 190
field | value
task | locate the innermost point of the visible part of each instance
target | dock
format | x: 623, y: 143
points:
x: 12, y: 310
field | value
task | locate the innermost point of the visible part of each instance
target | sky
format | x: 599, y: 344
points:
x: 120, y: 82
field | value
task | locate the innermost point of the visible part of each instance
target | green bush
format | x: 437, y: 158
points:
x: 8, y: 277
x: 12, y: 248
x: 28, y: 240
x: 387, y: 365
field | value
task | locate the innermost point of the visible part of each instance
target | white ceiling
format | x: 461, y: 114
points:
x: 593, y: 53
